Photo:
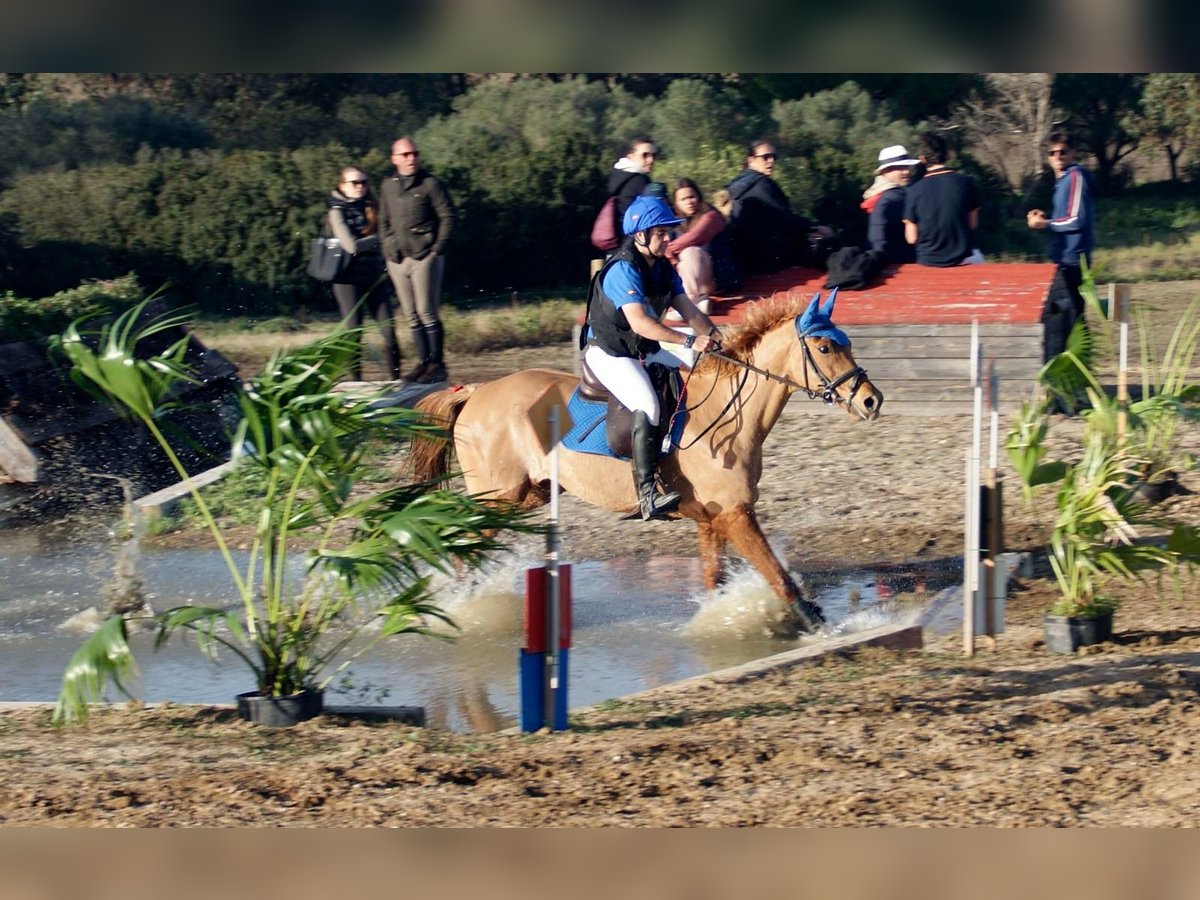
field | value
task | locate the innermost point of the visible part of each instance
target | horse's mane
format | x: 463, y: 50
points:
x: 760, y: 318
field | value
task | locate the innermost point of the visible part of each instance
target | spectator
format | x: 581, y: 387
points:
x: 941, y: 211
x: 416, y: 218
x: 630, y: 175
x: 624, y: 306
x: 353, y: 220
x: 767, y: 234
x: 1071, y: 227
x: 701, y: 251
x: 883, y: 202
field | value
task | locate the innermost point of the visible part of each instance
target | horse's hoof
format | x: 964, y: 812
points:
x: 807, y: 616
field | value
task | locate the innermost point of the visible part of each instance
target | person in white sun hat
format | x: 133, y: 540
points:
x: 883, y: 203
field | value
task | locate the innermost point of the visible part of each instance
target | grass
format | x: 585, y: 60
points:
x: 518, y: 324
x: 1149, y: 233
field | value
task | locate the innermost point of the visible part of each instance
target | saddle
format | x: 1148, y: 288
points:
x: 618, y: 419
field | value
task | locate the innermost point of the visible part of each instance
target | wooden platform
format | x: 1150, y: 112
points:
x: 912, y: 330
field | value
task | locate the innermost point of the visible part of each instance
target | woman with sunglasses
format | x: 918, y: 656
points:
x: 767, y: 234
x: 630, y: 176
x: 361, y: 287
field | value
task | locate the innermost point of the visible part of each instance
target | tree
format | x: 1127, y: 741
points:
x: 1102, y: 112
x: 1005, y: 123
x: 1171, y: 113
x: 830, y: 143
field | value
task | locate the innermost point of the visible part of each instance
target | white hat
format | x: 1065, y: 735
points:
x: 893, y: 157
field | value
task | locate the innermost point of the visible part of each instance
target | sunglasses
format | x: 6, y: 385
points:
x: 406, y: 153
x: 1059, y: 152
x: 767, y: 156
x: 356, y: 181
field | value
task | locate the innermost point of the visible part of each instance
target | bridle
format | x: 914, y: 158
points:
x: 827, y: 392
x: 828, y: 389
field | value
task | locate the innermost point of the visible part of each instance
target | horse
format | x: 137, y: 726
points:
x: 781, y: 347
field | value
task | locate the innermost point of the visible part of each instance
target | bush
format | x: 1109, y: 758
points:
x: 34, y: 321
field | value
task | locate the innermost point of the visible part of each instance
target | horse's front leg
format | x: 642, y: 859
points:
x: 740, y: 526
x: 711, y: 547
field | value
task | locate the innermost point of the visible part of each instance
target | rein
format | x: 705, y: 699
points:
x: 828, y: 390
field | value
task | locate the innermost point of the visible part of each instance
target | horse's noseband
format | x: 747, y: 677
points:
x: 828, y: 392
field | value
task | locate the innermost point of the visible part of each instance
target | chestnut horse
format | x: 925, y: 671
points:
x: 733, y: 400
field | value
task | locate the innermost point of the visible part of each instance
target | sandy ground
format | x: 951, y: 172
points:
x: 1013, y: 736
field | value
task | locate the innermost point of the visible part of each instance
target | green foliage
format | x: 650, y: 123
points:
x: 233, y: 498
x: 830, y: 143
x: 526, y: 167
x: 1104, y: 115
x: 215, y: 181
x: 35, y: 321
x: 1098, y: 514
x: 307, y: 442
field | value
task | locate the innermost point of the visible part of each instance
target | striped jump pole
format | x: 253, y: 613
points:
x: 545, y: 658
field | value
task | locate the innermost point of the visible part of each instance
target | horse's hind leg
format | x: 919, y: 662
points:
x: 711, y: 547
x: 740, y: 526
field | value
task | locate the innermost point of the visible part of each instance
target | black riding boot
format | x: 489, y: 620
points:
x: 435, y: 368
x: 420, y: 351
x: 651, y: 504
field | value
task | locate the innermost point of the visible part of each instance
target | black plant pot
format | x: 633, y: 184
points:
x: 1153, y: 492
x: 280, y: 712
x: 1066, y: 634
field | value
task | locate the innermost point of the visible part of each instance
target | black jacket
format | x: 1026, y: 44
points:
x: 767, y: 235
x: 610, y: 329
x: 625, y: 186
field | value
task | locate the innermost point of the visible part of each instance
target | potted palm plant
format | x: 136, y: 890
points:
x: 1094, y: 539
x: 1098, y: 509
x: 367, y: 575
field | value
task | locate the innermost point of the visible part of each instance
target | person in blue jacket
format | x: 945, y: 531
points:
x: 1072, y: 222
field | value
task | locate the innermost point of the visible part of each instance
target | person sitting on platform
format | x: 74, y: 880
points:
x: 941, y: 211
x: 883, y: 203
x: 701, y: 251
x: 767, y: 234
x: 627, y: 299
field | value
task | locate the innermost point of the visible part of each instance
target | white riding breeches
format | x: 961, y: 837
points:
x: 627, y: 380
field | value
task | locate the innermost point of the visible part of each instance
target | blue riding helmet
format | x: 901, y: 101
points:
x: 648, y: 212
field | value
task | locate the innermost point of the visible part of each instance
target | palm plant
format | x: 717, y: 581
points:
x: 372, y: 553
x: 1098, y: 512
x: 1096, y: 527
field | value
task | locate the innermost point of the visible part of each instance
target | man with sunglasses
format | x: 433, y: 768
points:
x: 1072, y: 230
x: 415, y: 221
x: 767, y: 234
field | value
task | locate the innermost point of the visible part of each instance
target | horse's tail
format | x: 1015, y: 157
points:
x: 429, y: 455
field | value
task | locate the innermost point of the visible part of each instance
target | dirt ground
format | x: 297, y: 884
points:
x: 1013, y: 736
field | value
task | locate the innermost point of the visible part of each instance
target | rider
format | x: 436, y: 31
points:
x: 626, y: 301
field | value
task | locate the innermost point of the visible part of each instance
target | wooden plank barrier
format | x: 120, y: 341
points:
x: 912, y: 330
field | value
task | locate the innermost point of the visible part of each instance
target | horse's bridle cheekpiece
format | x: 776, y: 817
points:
x: 816, y: 322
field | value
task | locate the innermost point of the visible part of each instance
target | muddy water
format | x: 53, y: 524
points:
x: 638, y: 623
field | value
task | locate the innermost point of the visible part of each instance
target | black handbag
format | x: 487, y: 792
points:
x: 326, y: 259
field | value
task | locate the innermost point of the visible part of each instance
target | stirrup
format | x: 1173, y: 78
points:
x: 656, y: 506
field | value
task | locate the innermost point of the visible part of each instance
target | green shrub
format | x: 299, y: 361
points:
x: 34, y: 321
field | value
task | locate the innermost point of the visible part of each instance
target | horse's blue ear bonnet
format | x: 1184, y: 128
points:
x: 817, y: 320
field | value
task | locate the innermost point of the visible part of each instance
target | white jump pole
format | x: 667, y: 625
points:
x: 553, y: 589
x: 971, y: 542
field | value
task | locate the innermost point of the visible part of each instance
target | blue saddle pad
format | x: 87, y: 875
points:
x: 587, y: 435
